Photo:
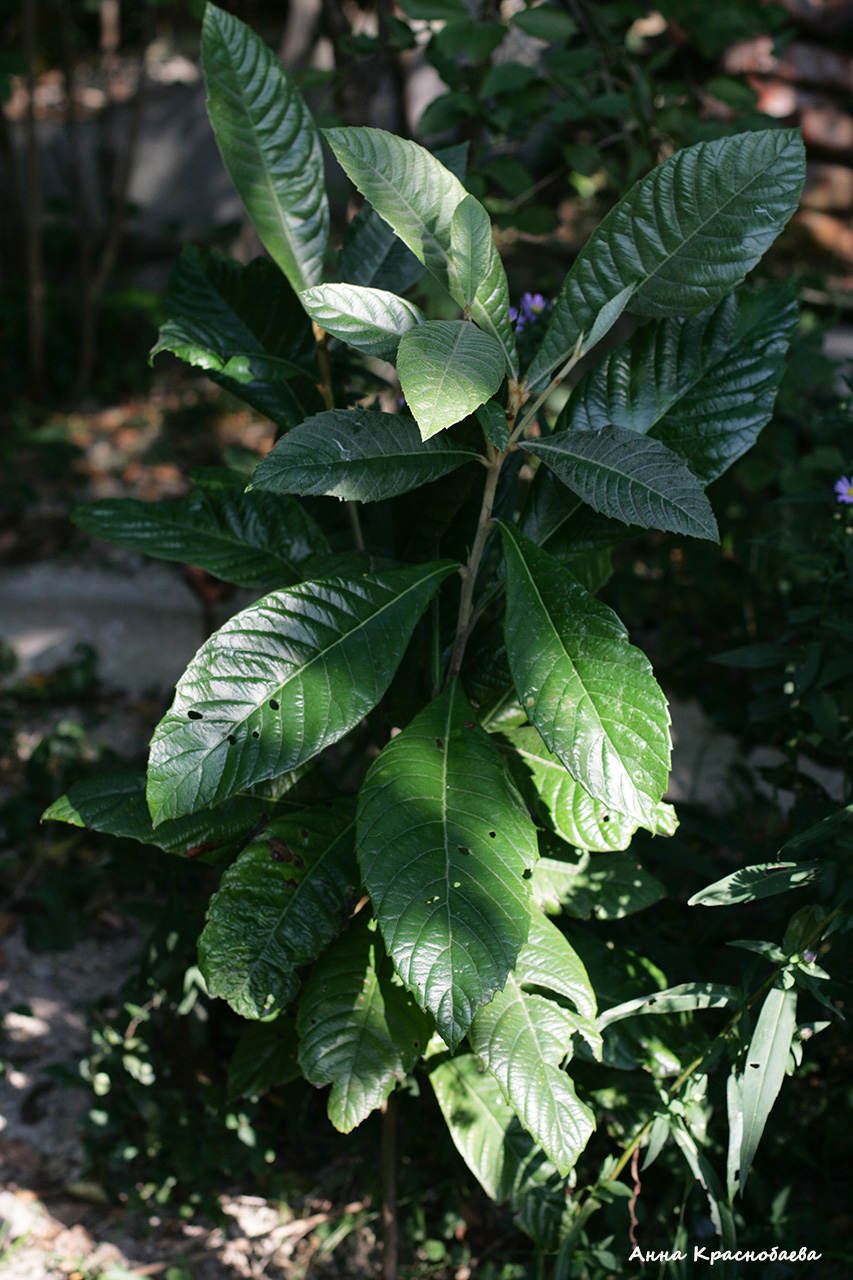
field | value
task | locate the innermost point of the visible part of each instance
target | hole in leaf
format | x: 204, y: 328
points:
x: 526, y: 873
x: 256, y: 733
x: 493, y: 834
x: 428, y: 902
x: 232, y: 739
x: 439, y: 744
x: 605, y: 817
x: 756, y: 1065
x: 467, y: 724
x: 463, y: 848
x: 416, y: 1044
x: 275, y: 704
x: 195, y: 715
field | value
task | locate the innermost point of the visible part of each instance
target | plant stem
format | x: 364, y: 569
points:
x: 389, y: 1188
x: 540, y: 400
x: 327, y: 392
x: 464, y: 625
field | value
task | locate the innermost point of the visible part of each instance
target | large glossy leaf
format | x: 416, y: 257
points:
x: 470, y: 247
x: 705, y: 386
x: 358, y: 454
x: 606, y: 886
x: 590, y: 693
x: 764, y: 1069
x: 282, y: 680
x: 115, y: 803
x: 569, y: 810
x: 245, y: 327
x: 447, y: 369
x: 360, y: 1031
x: 444, y: 845
x: 269, y: 144
x: 277, y: 907
x: 762, y: 880
x: 371, y: 320
x: 504, y: 1159
x: 684, y: 236
x: 417, y: 196
x: 264, y: 1056
x: 523, y: 1037
x: 631, y: 478
x: 252, y: 539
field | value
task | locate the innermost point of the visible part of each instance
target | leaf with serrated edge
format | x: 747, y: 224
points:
x: 684, y: 236
x: 590, y: 693
x: 417, y: 196
x: 704, y: 386
x: 607, y: 886
x: 470, y: 247
x: 371, y: 320
x: 277, y: 907
x: 264, y: 1056
x: 629, y: 478
x: 492, y: 419
x: 359, y: 1031
x: 523, y: 1037
x: 571, y: 811
x: 253, y: 541
x: 447, y: 369
x: 269, y: 144
x: 764, y: 1069
x: 444, y: 842
x: 282, y: 680
x: 358, y: 454
x: 503, y: 1158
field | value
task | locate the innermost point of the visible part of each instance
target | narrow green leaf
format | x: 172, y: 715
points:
x: 734, y: 1108
x: 115, y: 803
x: 447, y: 369
x: 470, y: 247
x: 359, y: 1030
x: 703, y: 1172
x: 819, y: 833
x: 244, y: 327
x: 607, y: 886
x: 492, y: 419
x: 358, y: 454
x: 683, y: 236
x: 591, y: 694
x: 277, y: 907
x: 269, y: 144
x: 763, y: 880
x: 704, y: 386
x: 764, y: 1069
x: 264, y: 1056
x: 523, y: 1037
x: 371, y: 320
x: 252, y: 540
x: 630, y: 478
x: 282, y: 680
x: 444, y: 843
x: 417, y: 196
x: 503, y: 1158
x: 689, y: 995
x: 657, y: 1139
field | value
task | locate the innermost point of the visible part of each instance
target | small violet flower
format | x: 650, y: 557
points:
x: 844, y: 490
x: 532, y: 306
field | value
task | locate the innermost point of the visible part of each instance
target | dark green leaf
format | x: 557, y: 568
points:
x: 545, y: 22
x: 277, y: 907
x: 591, y: 694
x: 373, y: 256
x: 762, y: 880
x: 444, y: 842
x: 689, y: 995
x: 269, y: 144
x: 282, y: 680
x: 492, y: 419
x: 607, y: 886
x: 764, y: 1069
x: 264, y: 1056
x: 358, y: 454
x: 447, y: 369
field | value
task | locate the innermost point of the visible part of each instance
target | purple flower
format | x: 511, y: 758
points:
x: 844, y: 490
x: 532, y: 306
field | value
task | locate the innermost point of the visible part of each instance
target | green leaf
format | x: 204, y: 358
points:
x: 252, y: 540
x: 244, y: 327
x: 417, y: 196
x: 658, y: 1136
x: 115, y: 803
x: 704, y: 386
x: 264, y: 1056
x: 762, y: 880
x: 269, y: 144
x: 492, y: 419
x: 358, y: 454
x: 371, y: 320
x: 545, y: 22
x: 444, y: 843
x: 504, y: 1159
x: 764, y: 1069
x: 630, y: 478
x: 684, y: 236
x: 470, y: 247
x: 819, y: 833
x: 703, y: 1172
x: 686, y: 996
x: 282, y: 680
x: 358, y: 1029
x: 447, y: 369
x: 372, y: 256
x: 591, y: 694
x: 277, y: 907
x: 734, y: 1107
x: 523, y: 1037
x: 608, y: 886
x: 569, y: 810
x: 434, y: 9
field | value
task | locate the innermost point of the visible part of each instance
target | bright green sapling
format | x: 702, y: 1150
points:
x: 457, y: 644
